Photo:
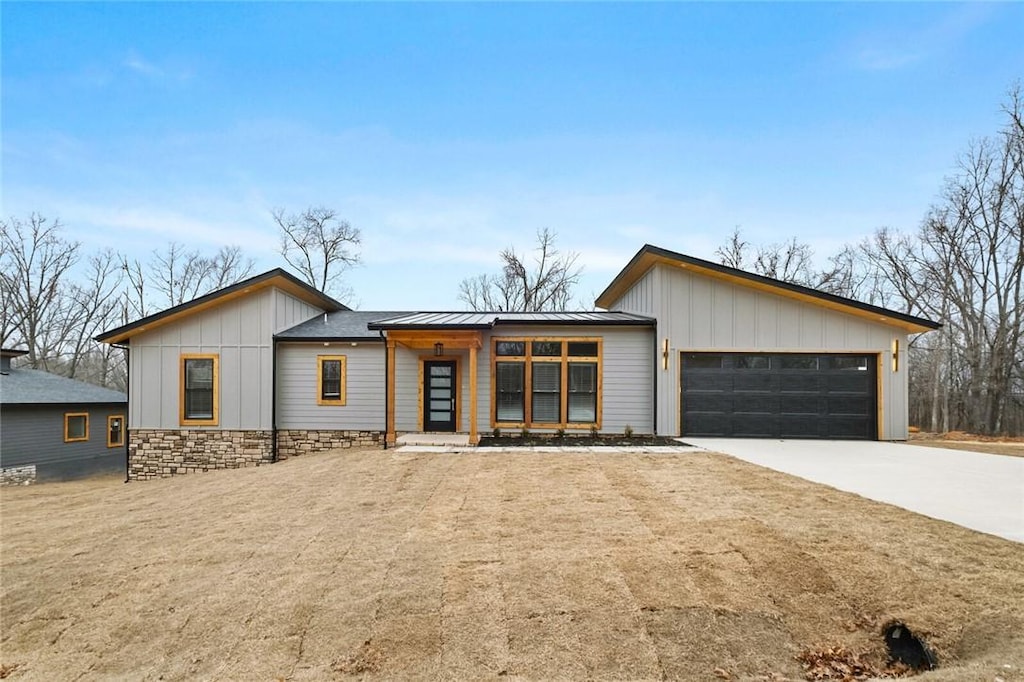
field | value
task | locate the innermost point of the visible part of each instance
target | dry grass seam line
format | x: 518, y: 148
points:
x: 637, y: 607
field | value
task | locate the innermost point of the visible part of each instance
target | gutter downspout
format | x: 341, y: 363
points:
x: 387, y: 398
x: 128, y: 412
x: 654, y: 397
x: 273, y: 402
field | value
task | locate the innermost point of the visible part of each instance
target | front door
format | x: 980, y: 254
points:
x: 439, y: 395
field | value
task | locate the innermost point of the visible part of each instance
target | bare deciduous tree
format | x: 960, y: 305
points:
x: 788, y: 262
x: 177, y: 275
x: 320, y: 245
x: 36, y: 260
x: 545, y: 285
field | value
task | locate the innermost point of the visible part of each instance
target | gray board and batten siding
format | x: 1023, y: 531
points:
x: 697, y: 313
x: 240, y: 332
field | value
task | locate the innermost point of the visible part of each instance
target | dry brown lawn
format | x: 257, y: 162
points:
x: 384, y: 565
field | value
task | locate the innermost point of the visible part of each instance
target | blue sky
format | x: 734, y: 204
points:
x: 446, y: 132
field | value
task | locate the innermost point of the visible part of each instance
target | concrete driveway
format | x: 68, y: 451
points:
x: 975, y: 490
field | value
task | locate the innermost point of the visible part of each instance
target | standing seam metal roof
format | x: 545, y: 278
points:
x: 487, y: 320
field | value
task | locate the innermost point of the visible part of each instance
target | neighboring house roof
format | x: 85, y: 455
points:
x: 488, y: 320
x: 277, y: 277
x: 341, y: 325
x: 36, y: 387
x: 649, y: 256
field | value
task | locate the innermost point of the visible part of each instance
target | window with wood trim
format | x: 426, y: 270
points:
x: 330, y: 384
x: 546, y: 382
x: 76, y: 427
x: 199, y: 384
x: 115, y: 430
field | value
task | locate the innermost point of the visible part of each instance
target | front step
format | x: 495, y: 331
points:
x: 439, y: 439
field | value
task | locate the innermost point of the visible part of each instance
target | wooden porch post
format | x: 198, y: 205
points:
x: 390, y: 435
x: 474, y: 437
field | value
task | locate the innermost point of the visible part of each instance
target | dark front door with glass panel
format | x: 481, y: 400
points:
x: 439, y: 395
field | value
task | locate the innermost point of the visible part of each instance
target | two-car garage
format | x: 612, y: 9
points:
x: 779, y: 395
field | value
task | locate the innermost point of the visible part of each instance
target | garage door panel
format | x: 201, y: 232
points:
x: 798, y: 404
x: 760, y: 382
x: 761, y: 403
x: 777, y: 395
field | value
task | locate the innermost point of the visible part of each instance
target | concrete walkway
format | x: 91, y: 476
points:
x: 979, y: 491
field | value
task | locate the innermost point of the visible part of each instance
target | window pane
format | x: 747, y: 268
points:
x: 582, y: 392
x: 114, y: 438
x: 583, y: 349
x: 703, y: 361
x: 330, y: 381
x: 199, y: 373
x: 509, y: 383
x: 510, y: 348
x: 547, y: 381
x: 753, y: 362
x: 77, y: 427
x: 199, y: 388
x: 798, y: 362
x: 857, y: 362
x: 551, y: 349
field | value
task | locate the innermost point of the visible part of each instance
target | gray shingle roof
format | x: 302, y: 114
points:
x: 34, y: 386
x: 487, y: 320
x: 342, y: 325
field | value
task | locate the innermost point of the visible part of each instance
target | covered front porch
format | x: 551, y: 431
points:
x: 446, y: 384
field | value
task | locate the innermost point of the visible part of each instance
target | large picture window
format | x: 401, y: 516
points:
x: 199, y: 390
x: 546, y: 382
x: 331, y: 371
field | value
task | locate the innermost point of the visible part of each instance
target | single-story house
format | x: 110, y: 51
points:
x: 54, y: 428
x: 269, y: 368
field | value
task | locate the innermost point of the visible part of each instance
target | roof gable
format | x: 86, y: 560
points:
x: 273, y: 278
x: 650, y: 256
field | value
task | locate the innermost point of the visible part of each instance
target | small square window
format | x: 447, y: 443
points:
x: 76, y: 426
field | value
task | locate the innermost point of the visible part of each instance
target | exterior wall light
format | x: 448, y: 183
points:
x: 438, y: 349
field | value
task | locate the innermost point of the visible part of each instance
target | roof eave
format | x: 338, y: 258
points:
x: 649, y: 256
x: 285, y: 280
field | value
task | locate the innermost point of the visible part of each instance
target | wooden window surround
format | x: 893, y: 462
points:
x: 76, y: 427
x: 115, y: 430
x: 331, y: 373
x: 552, y: 382
x: 199, y: 385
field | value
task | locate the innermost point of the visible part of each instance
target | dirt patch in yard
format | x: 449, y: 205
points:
x: 381, y: 565
x: 1012, y: 446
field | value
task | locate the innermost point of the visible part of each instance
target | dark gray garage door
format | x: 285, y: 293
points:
x: 748, y: 395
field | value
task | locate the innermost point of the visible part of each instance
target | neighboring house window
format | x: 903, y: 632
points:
x: 330, y: 379
x: 199, y: 390
x: 546, y: 382
x: 115, y: 431
x: 76, y: 426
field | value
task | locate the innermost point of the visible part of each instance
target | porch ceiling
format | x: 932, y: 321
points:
x: 451, y: 339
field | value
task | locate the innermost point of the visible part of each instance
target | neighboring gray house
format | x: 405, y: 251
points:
x: 53, y: 428
x: 269, y: 368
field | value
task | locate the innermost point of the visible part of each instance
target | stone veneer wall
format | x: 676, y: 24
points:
x: 294, y: 442
x: 157, y: 453
x: 23, y: 475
